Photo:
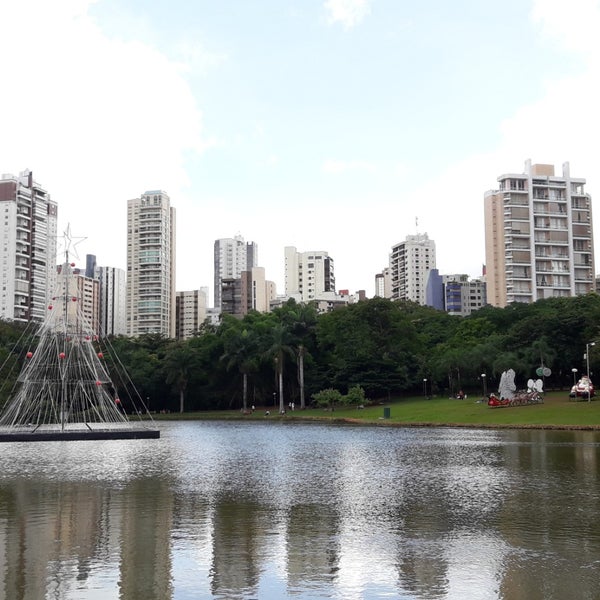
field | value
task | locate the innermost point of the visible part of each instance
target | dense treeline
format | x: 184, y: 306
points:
x: 389, y: 349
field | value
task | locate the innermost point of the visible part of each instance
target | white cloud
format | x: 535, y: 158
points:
x: 342, y: 166
x: 196, y: 58
x: 560, y: 126
x: 347, y: 12
x: 97, y: 120
x: 576, y: 29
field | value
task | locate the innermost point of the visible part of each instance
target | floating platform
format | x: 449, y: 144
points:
x: 52, y: 435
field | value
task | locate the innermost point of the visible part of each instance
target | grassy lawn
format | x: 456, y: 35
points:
x: 556, y: 411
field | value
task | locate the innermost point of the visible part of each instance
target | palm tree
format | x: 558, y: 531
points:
x: 301, y: 350
x: 179, y: 363
x: 301, y: 320
x: 280, y: 345
x: 240, y: 353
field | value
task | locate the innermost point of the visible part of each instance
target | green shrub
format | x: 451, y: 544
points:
x: 327, y: 398
x: 356, y: 395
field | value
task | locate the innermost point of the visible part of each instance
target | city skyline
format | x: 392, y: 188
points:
x: 342, y: 125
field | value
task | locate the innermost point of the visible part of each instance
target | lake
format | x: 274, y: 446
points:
x: 271, y: 510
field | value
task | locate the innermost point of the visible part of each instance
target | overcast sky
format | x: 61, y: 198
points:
x: 336, y: 125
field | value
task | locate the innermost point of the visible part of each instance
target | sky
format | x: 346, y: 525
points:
x: 334, y: 125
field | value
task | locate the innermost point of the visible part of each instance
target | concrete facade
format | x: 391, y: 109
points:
x: 151, y: 265
x: 309, y: 275
x: 113, y: 301
x: 538, y: 236
x: 410, y: 264
x: 383, y: 283
x: 28, y: 230
x: 232, y: 256
x: 190, y: 312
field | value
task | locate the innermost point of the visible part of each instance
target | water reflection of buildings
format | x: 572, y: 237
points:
x: 238, y: 530
x: 146, y: 541
x: 312, y: 544
x: 50, y: 537
x: 562, y: 469
x: 59, y: 537
x: 457, y: 519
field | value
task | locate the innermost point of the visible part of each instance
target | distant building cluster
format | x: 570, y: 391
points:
x: 538, y: 244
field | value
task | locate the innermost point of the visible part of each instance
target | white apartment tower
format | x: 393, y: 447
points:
x: 86, y: 291
x: 308, y: 275
x: 113, y: 301
x: 151, y: 265
x: 410, y: 263
x: 191, y: 312
x: 383, y: 283
x: 27, y: 248
x: 538, y: 236
x: 232, y: 256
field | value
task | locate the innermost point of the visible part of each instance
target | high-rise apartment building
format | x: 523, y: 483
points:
x: 308, y: 275
x: 410, y: 264
x: 86, y: 292
x: 151, y: 265
x: 250, y: 291
x: 113, y: 301
x: 538, y: 236
x: 190, y: 312
x: 456, y: 294
x: 91, y: 266
x: 28, y: 224
x: 383, y: 283
x: 232, y: 256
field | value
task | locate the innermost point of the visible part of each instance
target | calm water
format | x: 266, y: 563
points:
x: 268, y: 510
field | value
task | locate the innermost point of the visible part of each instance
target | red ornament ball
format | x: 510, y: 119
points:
x: 117, y: 401
x: 74, y: 299
x: 98, y: 383
x: 61, y: 355
x: 100, y: 355
x: 29, y: 354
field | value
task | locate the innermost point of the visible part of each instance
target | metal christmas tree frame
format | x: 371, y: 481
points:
x: 64, y: 390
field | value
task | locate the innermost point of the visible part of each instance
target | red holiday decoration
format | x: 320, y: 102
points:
x: 29, y: 354
x: 100, y: 355
x: 61, y: 355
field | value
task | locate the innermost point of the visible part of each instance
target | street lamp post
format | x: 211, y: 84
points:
x: 574, y: 371
x: 425, y: 388
x: 587, y: 365
x: 484, y: 379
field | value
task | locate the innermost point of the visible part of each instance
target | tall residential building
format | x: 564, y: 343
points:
x: 383, y: 283
x: 410, y: 264
x: 151, y: 265
x: 113, y: 301
x: 538, y: 236
x: 91, y: 267
x: 86, y: 291
x: 250, y: 291
x: 27, y: 248
x: 456, y: 294
x: 190, y: 312
x: 232, y: 256
x: 308, y: 275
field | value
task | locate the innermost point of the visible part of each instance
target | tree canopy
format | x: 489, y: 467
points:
x: 385, y: 348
